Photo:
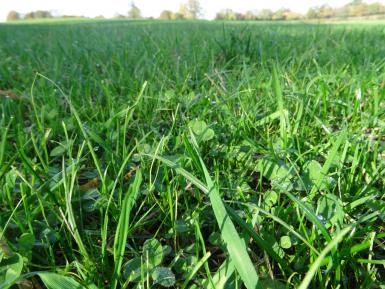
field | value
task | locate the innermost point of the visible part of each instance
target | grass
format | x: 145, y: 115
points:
x: 192, y: 155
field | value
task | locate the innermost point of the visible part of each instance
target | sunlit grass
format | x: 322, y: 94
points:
x: 192, y: 155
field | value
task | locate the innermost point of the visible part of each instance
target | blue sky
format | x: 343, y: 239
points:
x: 154, y: 7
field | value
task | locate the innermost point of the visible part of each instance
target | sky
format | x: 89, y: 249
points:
x: 153, y: 8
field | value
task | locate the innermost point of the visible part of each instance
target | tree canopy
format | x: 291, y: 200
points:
x: 134, y: 12
x: 13, y: 15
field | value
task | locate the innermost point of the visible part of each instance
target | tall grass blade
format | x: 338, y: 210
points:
x: 235, y: 245
x: 278, y: 95
x: 123, y: 228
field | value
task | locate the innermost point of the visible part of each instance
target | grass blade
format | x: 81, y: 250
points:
x: 123, y: 227
x: 325, y: 169
x: 221, y: 276
x: 260, y: 242
x: 310, y: 215
x: 314, y: 267
x: 55, y: 281
x: 235, y: 245
x: 195, y: 269
x: 278, y: 94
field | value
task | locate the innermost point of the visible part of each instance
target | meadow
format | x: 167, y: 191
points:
x: 150, y: 154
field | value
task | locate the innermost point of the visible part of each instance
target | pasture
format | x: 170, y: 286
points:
x: 192, y: 154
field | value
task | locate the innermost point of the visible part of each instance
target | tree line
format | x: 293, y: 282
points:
x: 188, y: 10
x: 193, y: 10
x: 356, y: 8
x: 40, y: 14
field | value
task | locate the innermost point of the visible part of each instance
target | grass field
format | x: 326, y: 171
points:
x: 192, y: 155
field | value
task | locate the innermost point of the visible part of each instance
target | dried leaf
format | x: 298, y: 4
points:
x: 9, y: 93
x: 92, y: 184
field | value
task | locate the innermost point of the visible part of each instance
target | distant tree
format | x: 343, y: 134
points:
x: 325, y: 11
x: 280, y: 14
x: 286, y: 14
x: 265, y: 14
x: 312, y: 13
x: 376, y: 8
x: 134, y: 12
x: 179, y: 16
x: 192, y: 9
x: 183, y: 11
x: 358, y: 10
x: 13, y: 16
x: 250, y: 15
x: 220, y: 16
x: 226, y: 14
x: 30, y: 15
x: 40, y: 14
x: 166, y: 15
x: 240, y: 16
x: 290, y: 15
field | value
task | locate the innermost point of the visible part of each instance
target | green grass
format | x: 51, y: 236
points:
x: 152, y: 154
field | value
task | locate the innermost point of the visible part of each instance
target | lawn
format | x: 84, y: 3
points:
x: 149, y: 154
